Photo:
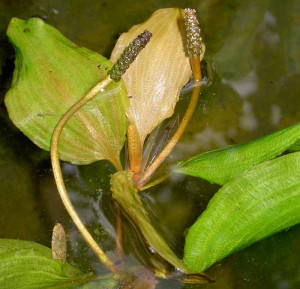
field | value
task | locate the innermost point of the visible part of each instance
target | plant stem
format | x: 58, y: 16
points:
x: 134, y: 149
x: 155, y: 182
x: 119, y: 247
x: 180, y: 130
x: 59, y: 178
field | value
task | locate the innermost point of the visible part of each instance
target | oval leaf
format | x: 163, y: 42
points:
x: 220, y: 166
x: 51, y: 74
x: 156, y: 77
x: 258, y: 203
x: 26, y: 264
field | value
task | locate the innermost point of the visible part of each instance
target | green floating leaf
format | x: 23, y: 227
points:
x: 222, y: 165
x: 258, y: 203
x: 51, y: 74
x: 25, y: 264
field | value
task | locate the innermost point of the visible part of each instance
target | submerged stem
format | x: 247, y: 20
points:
x: 59, y: 178
x: 155, y: 182
x: 194, y: 47
x: 119, y: 242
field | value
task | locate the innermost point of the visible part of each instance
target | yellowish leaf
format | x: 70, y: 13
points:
x: 155, y: 79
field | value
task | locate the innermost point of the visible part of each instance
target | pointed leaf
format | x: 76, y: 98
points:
x: 51, y: 74
x: 155, y: 79
x: 222, y: 165
x: 25, y: 264
x: 254, y: 205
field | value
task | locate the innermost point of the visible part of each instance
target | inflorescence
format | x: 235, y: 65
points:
x: 129, y: 55
x: 193, y: 32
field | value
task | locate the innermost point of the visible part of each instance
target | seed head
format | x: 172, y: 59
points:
x: 129, y: 55
x: 192, y: 32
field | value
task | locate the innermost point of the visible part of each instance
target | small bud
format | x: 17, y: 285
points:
x: 192, y: 32
x: 129, y: 55
x: 59, y: 247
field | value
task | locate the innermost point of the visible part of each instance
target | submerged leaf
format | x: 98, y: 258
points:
x: 51, y: 74
x: 222, y: 165
x: 124, y: 193
x: 25, y: 264
x: 155, y: 79
x: 260, y: 202
x: 140, y: 279
x: 105, y: 283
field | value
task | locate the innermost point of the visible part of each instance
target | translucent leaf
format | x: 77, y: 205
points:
x: 51, y: 74
x: 222, y: 165
x: 260, y: 202
x: 155, y: 79
x: 126, y: 195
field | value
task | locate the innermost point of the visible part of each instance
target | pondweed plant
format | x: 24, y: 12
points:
x: 83, y: 108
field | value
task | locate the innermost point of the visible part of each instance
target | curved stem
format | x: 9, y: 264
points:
x: 180, y: 130
x: 59, y: 178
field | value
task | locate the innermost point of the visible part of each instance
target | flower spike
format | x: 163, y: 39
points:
x: 192, y: 32
x: 129, y: 55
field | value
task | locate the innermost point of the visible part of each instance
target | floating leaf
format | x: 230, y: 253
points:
x: 155, y: 79
x: 222, y: 165
x: 51, y: 74
x: 256, y: 204
x: 236, y: 56
x: 25, y: 264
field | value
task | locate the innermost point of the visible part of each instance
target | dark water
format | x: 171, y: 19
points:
x: 252, y: 56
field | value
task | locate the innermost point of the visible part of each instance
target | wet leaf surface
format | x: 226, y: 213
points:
x: 220, y: 166
x: 26, y: 264
x: 48, y: 79
x: 260, y: 202
x: 151, y: 81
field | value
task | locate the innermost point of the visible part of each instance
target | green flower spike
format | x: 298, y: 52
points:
x: 129, y: 55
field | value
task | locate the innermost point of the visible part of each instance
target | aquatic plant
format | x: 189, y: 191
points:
x: 76, y: 103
